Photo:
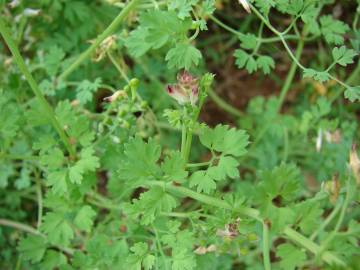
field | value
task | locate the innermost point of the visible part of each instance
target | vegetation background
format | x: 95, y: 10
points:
x: 182, y: 134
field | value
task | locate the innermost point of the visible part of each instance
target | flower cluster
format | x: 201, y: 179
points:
x: 186, y: 90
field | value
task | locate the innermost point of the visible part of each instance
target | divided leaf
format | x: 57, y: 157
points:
x: 343, y: 56
x: 57, y: 228
x: 228, y: 141
x: 32, y: 248
x: 183, y: 56
x: 84, y: 218
x: 140, y: 161
x: 291, y: 256
x: 173, y: 168
x: 151, y: 203
x: 140, y: 257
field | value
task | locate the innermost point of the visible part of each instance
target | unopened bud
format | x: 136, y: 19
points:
x: 354, y: 163
x: 115, y: 96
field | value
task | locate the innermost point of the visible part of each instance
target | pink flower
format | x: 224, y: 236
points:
x: 186, y: 90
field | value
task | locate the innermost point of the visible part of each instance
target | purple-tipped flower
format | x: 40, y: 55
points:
x: 186, y: 90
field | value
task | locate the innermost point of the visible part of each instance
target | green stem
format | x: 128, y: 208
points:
x: 158, y: 243
x: 189, y: 135
x: 19, y: 226
x: 312, y: 247
x: 201, y: 164
x: 327, y: 221
x: 289, y: 78
x: 224, y: 105
x: 107, y: 32
x: 353, y: 78
x: 39, y: 199
x: 266, y: 247
x: 183, y: 140
x: 34, y: 87
x: 340, y: 220
x: 118, y: 67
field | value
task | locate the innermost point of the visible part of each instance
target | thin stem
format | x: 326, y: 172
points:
x: 266, y: 247
x: 286, y: 145
x: 201, y: 164
x: 327, y: 221
x: 183, y: 140
x: 340, y: 220
x: 158, y: 243
x: 224, y: 105
x: 19, y: 226
x: 289, y: 78
x: 39, y: 200
x: 35, y: 88
x: 189, y: 135
x: 107, y: 32
x: 118, y: 67
x: 312, y: 247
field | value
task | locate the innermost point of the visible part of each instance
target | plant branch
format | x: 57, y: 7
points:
x: 224, y: 105
x: 35, y: 88
x: 327, y: 256
x: 107, y: 32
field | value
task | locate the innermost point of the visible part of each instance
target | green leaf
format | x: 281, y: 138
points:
x: 53, y: 159
x: 333, y: 30
x: 251, y: 65
x: 222, y: 139
x: 57, y: 228
x: 140, y: 161
x: 352, y: 93
x: 151, y: 203
x: 84, y: 218
x: 229, y: 166
x: 87, y: 163
x: 291, y: 256
x: 183, y: 259
x: 265, y: 5
x: 53, y: 60
x: 136, y: 42
x: 183, y: 56
x: 282, y: 181
x: 243, y: 59
x: 53, y: 260
x: 308, y: 216
x: 32, y: 248
x: 320, y: 76
x: 183, y: 7
x: 58, y: 181
x: 292, y: 7
x: 248, y: 41
x: 266, y: 63
x: 343, y: 56
x: 140, y: 257
x: 86, y: 89
x: 203, y: 181
x: 173, y: 168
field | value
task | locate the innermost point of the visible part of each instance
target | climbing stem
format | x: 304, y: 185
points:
x: 107, y: 32
x: 35, y: 88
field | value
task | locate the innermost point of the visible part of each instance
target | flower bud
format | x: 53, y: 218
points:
x: 115, y: 96
x: 245, y: 5
x: 355, y: 163
x: 186, y: 90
